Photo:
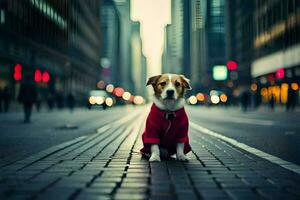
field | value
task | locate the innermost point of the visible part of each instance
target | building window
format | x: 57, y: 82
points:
x: 2, y: 16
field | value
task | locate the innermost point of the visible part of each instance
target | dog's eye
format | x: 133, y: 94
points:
x: 177, y: 84
x: 162, y: 83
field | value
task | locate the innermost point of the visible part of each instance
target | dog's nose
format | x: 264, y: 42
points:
x: 170, y: 93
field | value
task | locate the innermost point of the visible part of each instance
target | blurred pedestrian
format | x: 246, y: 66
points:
x: 27, y: 96
x: 59, y: 100
x: 38, y: 101
x: 71, y: 101
x: 50, y: 101
x: 272, y: 102
x: 6, y: 98
x: 244, y: 99
x: 292, y: 100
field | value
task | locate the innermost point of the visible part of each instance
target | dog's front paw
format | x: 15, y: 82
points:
x: 154, y: 158
x: 182, y: 157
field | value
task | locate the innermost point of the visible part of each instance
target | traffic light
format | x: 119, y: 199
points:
x: 18, y: 72
x: 37, y: 75
x: 46, y: 77
x: 231, y: 65
x: 280, y: 73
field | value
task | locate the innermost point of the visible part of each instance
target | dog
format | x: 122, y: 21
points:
x: 166, y: 131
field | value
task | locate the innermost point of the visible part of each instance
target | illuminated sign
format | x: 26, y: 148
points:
x: 220, y: 72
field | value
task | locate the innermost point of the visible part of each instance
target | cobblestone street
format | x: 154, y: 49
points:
x: 107, y: 165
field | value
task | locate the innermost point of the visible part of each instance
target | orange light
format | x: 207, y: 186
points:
x: 223, y: 98
x: 294, y: 86
x: 253, y: 87
x: 200, y: 97
x: 284, y: 92
x: 264, y: 91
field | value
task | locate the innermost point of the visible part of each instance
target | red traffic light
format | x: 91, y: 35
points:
x: 37, y: 75
x: 280, y: 73
x: 18, y: 72
x: 231, y: 65
x: 46, y: 77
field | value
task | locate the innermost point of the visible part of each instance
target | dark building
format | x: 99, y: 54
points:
x: 276, y: 63
x: 110, y: 39
x: 207, y: 34
x: 239, y: 39
x: 276, y: 30
x: 58, y: 37
x: 176, y: 55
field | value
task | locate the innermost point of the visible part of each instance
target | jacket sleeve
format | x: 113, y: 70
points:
x: 182, y: 134
x: 151, y: 134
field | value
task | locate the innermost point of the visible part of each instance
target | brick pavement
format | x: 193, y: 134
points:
x: 107, y: 165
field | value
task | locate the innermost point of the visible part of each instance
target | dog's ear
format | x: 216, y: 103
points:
x: 153, y: 80
x: 186, y: 82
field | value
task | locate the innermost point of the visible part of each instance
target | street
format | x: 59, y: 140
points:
x: 277, y: 133
x: 96, y: 156
x: 48, y: 129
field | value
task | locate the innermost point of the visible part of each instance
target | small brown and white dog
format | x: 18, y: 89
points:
x: 167, y: 123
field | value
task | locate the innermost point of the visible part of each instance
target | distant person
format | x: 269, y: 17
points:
x: 27, y: 96
x: 244, y: 99
x: 38, y: 101
x: 257, y: 100
x: 59, y: 100
x: 71, y: 101
x: 6, y: 98
x: 50, y: 101
x: 272, y: 102
x: 292, y: 100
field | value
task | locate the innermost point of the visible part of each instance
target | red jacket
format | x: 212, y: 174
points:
x: 166, y: 129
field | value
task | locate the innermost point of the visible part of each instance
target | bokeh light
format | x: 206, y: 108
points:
x: 294, y: 86
x: 101, y: 85
x: 92, y: 100
x: 118, y: 91
x: 138, y: 100
x: 253, y: 87
x: 109, y: 101
x: 99, y: 100
x: 126, y: 96
x: 193, y: 100
x: 223, y: 98
x: 215, y: 99
x: 110, y: 88
x: 200, y: 97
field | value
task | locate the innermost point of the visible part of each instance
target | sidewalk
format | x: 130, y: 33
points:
x: 107, y: 165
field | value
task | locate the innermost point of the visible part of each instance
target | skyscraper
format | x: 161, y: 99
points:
x: 57, y: 37
x: 176, y: 57
x: 138, y: 61
x: 207, y: 34
x: 125, y: 80
x: 110, y: 42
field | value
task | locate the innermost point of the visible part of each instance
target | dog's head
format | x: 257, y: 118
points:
x: 169, y: 88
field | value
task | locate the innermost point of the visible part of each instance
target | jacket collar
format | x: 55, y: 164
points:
x: 166, y: 114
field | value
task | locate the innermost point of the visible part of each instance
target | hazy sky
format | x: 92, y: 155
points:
x: 153, y: 16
